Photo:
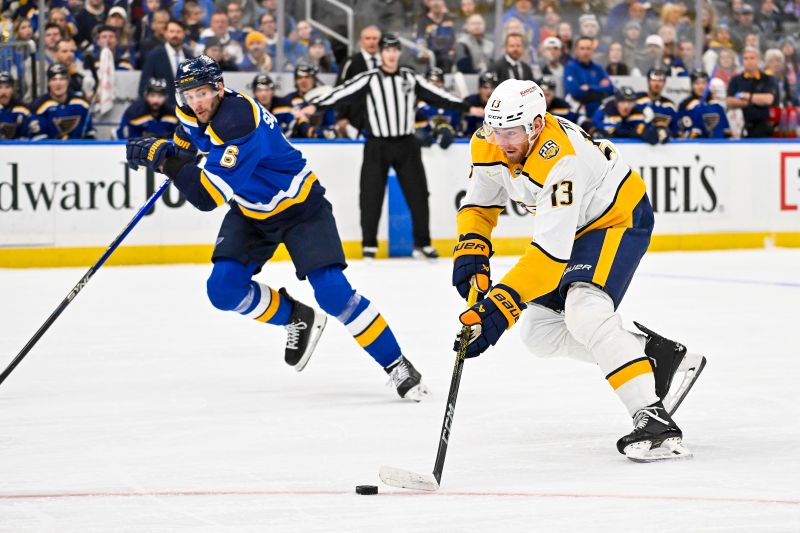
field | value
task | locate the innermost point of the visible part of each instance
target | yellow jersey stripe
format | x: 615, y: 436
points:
x: 215, y: 193
x: 274, y: 303
x: 634, y: 369
x: 256, y: 108
x: 141, y: 120
x: 21, y: 109
x: 80, y: 101
x: 214, y: 137
x: 45, y: 106
x: 619, y: 213
x: 607, y: 254
x: 535, y: 274
x: 285, y: 204
x: 372, y: 332
x: 183, y: 117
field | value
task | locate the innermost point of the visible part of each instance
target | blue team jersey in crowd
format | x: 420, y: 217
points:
x: 281, y: 108
x: 431, y: 117
x: 14, y: 121
x: 561, y: 108
x: 609, y: 120
x: 312, y: 127
x: 705, y: 120
x: 472, y: 123
x: 249, y: 162
x: 139, y: 121
x: 53, y: 120
x: 665, y: 112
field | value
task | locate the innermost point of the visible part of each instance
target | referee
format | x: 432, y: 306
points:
x: 391, y: 93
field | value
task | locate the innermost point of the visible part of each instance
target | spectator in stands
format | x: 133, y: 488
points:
x: 193, y: 16
x: 621, y: 118
x: 264, y: 92
x: 511, y: 65
x: 107, y: 38
x: 271, y: 7
x: 163, y: 61
x: 653, y: 53
x: 14, y: 116
x: 726, y: 67
x: 216, y: 51
x: 52, y: 34
x: 565, y: 35
x: 474, y: 51
x: 657, y: 108
x: 486, y: 84
x: 709, y: 18
x: 788, y: 47
x: 721, y: 41
x: 769, y: 18
x: 745, y: 23
x: 618, y: 16
x: 232, y: 49
x: 60, y: 113
x: 670, y: 55
x: 552, y: 18
x: 589, y: 26
x: 118, y: 19
x: 585, y: 81
x: 318, y: 56
x: 250, y: 11
x: 256, y: 58
x: 674, y: 16
x: 523, y: 10
x: 632, y: 49
x: 642, y: 13
x: 64, y: 20
x: 754, y: 92
x: 157, y: 37
x: 207, y: 8
x: 437, y: 32
x: 560, y: 107
x: 775, y: 66
x: 351, y: 117
x: 616, y: 66
x: 82, y: 79
x: 514, y: 26
x: 151, y: 116
x: 686, y: 56
x: 235, y: 14
x: 93, y: 14
x: 553, y: 65
x: 698, y: 115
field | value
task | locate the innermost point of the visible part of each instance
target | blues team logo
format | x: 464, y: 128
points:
x: 549, y: 150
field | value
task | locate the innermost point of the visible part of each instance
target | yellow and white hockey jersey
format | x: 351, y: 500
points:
x: 571, y: 184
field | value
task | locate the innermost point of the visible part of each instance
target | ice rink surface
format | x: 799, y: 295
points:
x: 143, y: 409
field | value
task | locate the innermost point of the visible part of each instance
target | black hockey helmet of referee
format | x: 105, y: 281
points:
x: 389, y: 40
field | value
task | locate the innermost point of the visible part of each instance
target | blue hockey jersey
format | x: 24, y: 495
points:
x: 472, y: 123
x: 665, y: 112
x: 14, y: 121
x: 703, y: 120
x: 139, y: 121
x: 53, y: 120
x: 249, y: 162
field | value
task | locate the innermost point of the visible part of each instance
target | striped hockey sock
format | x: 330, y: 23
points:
x: 265, y: 304
x: 370, y: 330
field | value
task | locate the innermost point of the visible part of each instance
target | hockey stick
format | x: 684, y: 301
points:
x: 84, y: 281
x: 406, y: 479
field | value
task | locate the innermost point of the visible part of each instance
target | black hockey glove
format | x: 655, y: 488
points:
x: 471, y: 258
x: 424, y: 136
x: 490, y: 318
x: 446, y: 134
x: 149, y: 152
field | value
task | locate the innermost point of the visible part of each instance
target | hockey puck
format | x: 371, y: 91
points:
x: 366, y: 489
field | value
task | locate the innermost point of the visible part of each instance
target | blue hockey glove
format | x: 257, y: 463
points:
x: 149, y: 152
x: 471, y: 258
x: 490, y: 318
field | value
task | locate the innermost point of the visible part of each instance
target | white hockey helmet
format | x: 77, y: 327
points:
x: 513, y: 103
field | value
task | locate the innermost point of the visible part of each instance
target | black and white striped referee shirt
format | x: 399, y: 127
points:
x: 391, y: 99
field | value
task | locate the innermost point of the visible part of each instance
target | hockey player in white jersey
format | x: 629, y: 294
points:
x: 591, y: 222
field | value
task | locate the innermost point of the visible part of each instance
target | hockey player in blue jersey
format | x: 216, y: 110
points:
x: 699, y: 116
x: 622, y: 118
x: 486, y: 84
x: 264, y: 93
x: 151, y: 116
x: 662, y: 110
x: 433, y: 123
x: 560, y: 107
x: 274, y: 198
x: 14, y: 116
x: 60, y: 113
x: 318, y: 126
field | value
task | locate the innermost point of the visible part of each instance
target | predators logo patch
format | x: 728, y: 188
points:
x: 549, y: 150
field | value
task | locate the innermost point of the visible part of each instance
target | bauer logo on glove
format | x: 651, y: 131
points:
x: 471, y: 259
x: 490, y: 318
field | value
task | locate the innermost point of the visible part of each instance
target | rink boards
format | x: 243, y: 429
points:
x: 62, y: 204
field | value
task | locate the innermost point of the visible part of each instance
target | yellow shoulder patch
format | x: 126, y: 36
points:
x: 484, y: 152
x: 551, y: 146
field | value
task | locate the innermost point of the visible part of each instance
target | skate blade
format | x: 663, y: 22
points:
x: 641, y: 452
x: 688, y: 371
x: 320, y: 320
x: 417, y: 393
x: 405, y: 479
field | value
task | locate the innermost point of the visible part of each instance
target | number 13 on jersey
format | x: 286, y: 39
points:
x: 562, y: 193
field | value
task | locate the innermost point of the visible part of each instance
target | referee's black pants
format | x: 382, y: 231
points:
x: 405, y: 155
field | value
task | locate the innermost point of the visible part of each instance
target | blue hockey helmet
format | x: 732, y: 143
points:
x: 488, y: 79
x: 262, y: 80
x: 156, y: 85
x: 625, y: 94
x: 196, y: 72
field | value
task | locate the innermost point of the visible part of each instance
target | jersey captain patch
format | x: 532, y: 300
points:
x: 549, y: 150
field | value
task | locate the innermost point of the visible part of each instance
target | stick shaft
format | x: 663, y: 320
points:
x: 83, y: 281
x: 452, y: 396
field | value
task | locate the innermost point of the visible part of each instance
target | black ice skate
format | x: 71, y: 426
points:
x: 425, y: 252
x: 675, y: 370
x: 304, y: 329
x: 369, y: 252
x: 407, y: 380
x: 655, y: 437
